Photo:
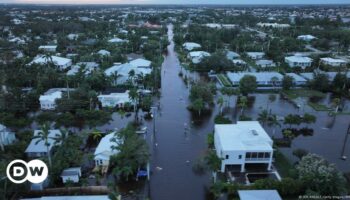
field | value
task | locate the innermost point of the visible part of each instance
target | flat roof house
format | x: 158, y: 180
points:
x: 262, y: 78
x: 197, y: 56
x: 105, y: 150
x: 113, y: 100
x: 189, y: 46
x: 39, y: 149
x: 297, y: 79
x: 48, y: 48
x: 245, y: 142
x: 255, y: 55
x: 298, y: 61
x: 265, y: 63
x: 333, y: 62
x: 62, y: 63
x: 306, y: 37
x: 259, y: 195
x: 48, y: 99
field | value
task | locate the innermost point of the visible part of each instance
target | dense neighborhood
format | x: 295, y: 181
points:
x: 176, y: 102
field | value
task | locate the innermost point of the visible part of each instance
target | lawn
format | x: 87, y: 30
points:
x: 224, y: 80
x: 319, y: 107
x: 282, y: 164
x: 293, y: 94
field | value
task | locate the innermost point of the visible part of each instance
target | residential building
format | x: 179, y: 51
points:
x: 117, y: 40
x: 6, y: 136
x: 255, y: 55
x: 141, y: 63
x: 122, y: 71
x: 298, y: 61
x: 86, y: 67
x: 38, y: 148
x: 231, y: 55
x: 333, y: 62
x: 265, y: 63
x: 89, y: 197
x: 259, y: 195
x: 197, y: 56
x: 262, y: 78
x: 71, y: 175
x: 48, y: 48
x: 189, y: 46
x: 273, y: 25
x: 241, y: 144
x: 105, y: 150
x: 62, y: 63
x: 103, y: 52
x: 48, y: 99
x: 115, y: 100
x: 306, y: 37
x: 297, y: 79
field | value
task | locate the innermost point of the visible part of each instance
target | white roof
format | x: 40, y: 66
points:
x: 259, y: 195
x: 113, y: 99
x: 307, y: 75
x: 296, y: 77
x: 41, y: 147
x: 104, y: 149
x: 255, y: 54
x: 125, y: 68
x: 116, y: 40
x: 191, y: 45
x: 48, y: 47
x: 333, y: 60
x: 264, y: 62
x: 243, y: 136
x: 51, y: 96
x: 90, y: 197
x: 299, y: 59
x: 199, y: 54
x: 231, y: 55
x: 103, y: 52
x: 306, y: 37
x: 260, y: 76
x: 55, y: 59
x: 140, y: 62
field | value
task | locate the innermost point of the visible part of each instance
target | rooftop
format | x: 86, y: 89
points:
x: 259, y: 195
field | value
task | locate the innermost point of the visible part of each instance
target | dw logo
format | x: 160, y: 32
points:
x: 35, y: 171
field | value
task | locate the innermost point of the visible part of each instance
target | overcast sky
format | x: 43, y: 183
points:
x: 180, y: 1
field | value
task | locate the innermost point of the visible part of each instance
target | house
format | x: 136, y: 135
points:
x: 238, y: 62
x: 105, y: 150
x: 241, y: 144
x: 197, y: 56
x: 262, y: 78
x: 48, y: 99
x: 75, y: 197
x: 141, y: 63
x: 189, y: 46
x: 306, y: 38
x: 113, y: 100
x: 259, y: 195
x: 48, y: 48
x: 103, y: 52
x: 333, y: 62
x: 297, y: 79
x: 122, y: 72
x: 298, y: 61
x: 117, y: 40
x: 255, y: 55
x: 71, y: 174
x: 62, y: 63
x: 38, y: 148
x: 265, y: 63
x: 273, y: 25
x: 232, y: 55
x: 6, y: 136
x: 72, y: 36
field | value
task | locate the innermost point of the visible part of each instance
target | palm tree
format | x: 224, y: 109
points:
x: 96, y: 134
x: 61, y: 138
x: 220, y: 103
x: 134, y: 96
x: 243, y: 103
x: 273, y: 121
x: 132, y: 75
x: 336, y: 103
x: 274, y: 81
x: 43, y: 136
x: 263, y: 117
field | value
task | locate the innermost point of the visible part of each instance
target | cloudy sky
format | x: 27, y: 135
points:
x: 179, y: 1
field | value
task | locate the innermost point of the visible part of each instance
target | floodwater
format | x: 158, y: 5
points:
x: 174, y: 151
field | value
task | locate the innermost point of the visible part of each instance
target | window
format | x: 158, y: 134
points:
x: 248, y: 155
x: 227, y: 156
x: 267, y: 155
x: 240, y: 157
x: 261, y: 155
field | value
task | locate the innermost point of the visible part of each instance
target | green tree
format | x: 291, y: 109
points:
x: 198, y: 105
x: 287, y: 82
x: 247, y: 84
x: 243, y: 103
x: 43, y: 136
x: 220, y: 102
x: 263, y: 117
x: 308, y: 118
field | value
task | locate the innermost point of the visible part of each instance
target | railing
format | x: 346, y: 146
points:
x: 257, y: 159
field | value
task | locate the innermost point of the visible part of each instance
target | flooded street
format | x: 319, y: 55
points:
x: 174, y: 151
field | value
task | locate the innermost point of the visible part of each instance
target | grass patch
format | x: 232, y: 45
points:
x: 219, y: 119
x: 293, y: 94
x: 283, y: 165
x: 224, y: 80
x: 319, y: 107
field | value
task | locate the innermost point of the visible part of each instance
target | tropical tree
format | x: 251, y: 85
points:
x: 308, y: 118
x: 220, y: 102
x: 247, y: 84
x: 198, y: 105
x: 43, y: 136
x: 336, y: 103
x: 263, y: 117
x: 243, y: 103
x: 287, y: 82
x: 273, y: 121
x: 134, y: 97
x: 292, y: 119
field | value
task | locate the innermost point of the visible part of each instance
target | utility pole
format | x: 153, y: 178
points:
x: 343, y: 156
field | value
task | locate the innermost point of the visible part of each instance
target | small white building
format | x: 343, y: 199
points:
x: 62, y: 63
x: 297, y: 79
x: 37, y: 148
x: 243, y: 143
x: 231, y: 55
x: 113, y: 100
x: 197, y: 56
x: 259, y: 195
x: 273, y: 25
x: 48, y: 100
x: 103, y: 52
x: 48, y: 48
x: 333, y: 62
x: 262, y: 78
x: 298, y: 61
x: 117, y: 41
x: 105, y: 150
x: 6, y: 136
x: 265, y: 63
x: 71, y: 174
x: 306, y: 38
x: 189, y: 46
x: 255, y: 55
